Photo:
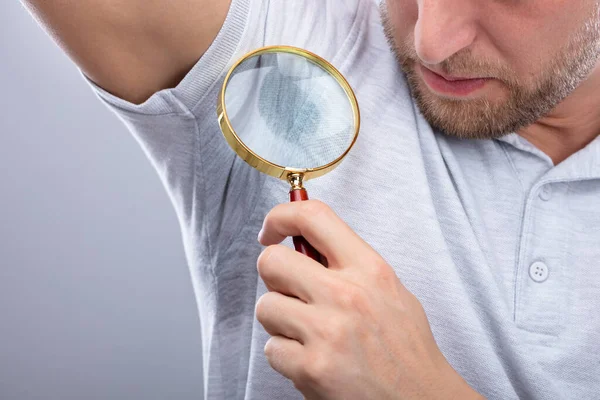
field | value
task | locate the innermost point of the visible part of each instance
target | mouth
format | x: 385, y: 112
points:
x: 449, y: 85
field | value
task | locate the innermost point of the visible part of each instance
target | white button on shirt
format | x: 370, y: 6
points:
x: 546, y: 192
x: 538, y: 272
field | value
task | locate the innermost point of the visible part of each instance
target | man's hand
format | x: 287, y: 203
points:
x: 349, y: 331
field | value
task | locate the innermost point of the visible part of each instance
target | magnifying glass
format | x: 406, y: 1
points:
x: 290, y: 114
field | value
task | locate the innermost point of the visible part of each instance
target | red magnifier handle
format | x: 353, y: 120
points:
x: 301, y: 244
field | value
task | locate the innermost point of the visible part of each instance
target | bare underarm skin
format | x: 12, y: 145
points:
x: 132, y: 48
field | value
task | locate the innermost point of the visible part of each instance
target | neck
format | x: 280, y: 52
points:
x: 571, y: 125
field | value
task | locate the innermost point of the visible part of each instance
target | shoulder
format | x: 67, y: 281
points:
x: 321, y: 26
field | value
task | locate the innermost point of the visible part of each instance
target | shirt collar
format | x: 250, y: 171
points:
x: 583, y: 165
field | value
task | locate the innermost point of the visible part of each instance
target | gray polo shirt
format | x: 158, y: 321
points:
x: 499, y: 245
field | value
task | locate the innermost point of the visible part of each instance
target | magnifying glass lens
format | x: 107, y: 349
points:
x: 289, y: 110
x: 289, y: 114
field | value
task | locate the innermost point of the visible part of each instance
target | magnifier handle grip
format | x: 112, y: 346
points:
x: 301, y: 244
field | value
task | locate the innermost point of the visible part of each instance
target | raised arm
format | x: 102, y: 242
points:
x: 132, y: 48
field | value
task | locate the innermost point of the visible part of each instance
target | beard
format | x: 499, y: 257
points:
x: 526, y: 103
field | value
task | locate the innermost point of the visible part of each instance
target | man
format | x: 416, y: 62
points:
x: 463, y: 250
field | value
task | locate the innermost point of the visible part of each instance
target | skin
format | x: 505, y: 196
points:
x: 132, y: 48
x: 349, y: 331
x: 373, y: 331
x: 526, y: 45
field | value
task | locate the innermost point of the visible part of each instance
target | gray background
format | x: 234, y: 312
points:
x: 95, y: 296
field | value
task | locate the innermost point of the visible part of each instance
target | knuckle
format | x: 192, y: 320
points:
x: 333, y: 286
x: 312, y: 209
x: 356, y: 300
x: 352, y: 297
x: 332, y: 332
x: 266, y: 259
x: 382, y: 271
x: 273, y: 213
x: 273, y: 216
x: 317, y: 369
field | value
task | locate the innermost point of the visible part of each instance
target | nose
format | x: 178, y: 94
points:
x: 443, y: 28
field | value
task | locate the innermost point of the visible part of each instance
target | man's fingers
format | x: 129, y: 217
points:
x: 312, y: 219
x: 283, y: 315
x: 288, y: 272
x: 285, y: 356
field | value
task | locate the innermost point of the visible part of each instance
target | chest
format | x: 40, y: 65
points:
x: 464, y: 236
x: 460, y: 226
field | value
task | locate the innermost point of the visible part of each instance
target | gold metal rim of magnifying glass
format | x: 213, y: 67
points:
x: 257, y: 161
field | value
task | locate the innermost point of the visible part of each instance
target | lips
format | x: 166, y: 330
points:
x: 452, y: 86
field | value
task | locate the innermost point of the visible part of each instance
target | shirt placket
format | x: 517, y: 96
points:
x: 540, y: 284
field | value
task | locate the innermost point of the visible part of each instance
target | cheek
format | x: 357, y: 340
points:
x: 528, y: 36
x: 514, y: 49
x: 403, y: 15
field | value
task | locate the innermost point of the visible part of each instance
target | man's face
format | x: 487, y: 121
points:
x: 528, y: 55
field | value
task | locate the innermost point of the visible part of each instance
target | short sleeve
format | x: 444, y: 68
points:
x: 212, y: 190
x: 170, y: 124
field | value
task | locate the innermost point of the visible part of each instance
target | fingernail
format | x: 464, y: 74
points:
x: 260, y: 235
